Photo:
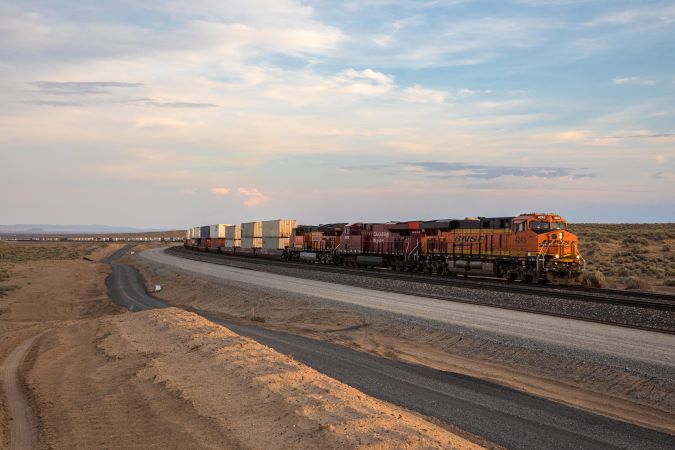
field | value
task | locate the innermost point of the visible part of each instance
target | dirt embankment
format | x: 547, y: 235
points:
x: 628, y: 395
x: 169, y: 378
x: 102, y: 378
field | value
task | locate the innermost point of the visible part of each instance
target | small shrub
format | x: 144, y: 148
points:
x: 5, y: 289
x: 670, y: 282
x: 636, y: 283
x: 665, y: 248
x: 594, y: 279
x: 623, y: 272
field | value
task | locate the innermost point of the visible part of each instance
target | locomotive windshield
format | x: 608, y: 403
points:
x: 558, y: 226
x: 539, y: 226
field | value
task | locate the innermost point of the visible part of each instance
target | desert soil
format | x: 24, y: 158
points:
x: 99, y: 377
x: 631, y: 396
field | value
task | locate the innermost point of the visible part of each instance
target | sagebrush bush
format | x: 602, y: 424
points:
x: 594, y: 279
x: 636, y: 283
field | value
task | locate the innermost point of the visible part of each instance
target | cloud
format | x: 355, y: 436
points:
x: 252, y: 197
x: 642, y: 136
x: 81, y: 87
x: 51, y: 103
x: 466, y: 170
x: 170, y: 104
x: 660, y: 159
x: 365, y: 82
x: 651, y: 15
x: 633, y: 80
x: 418, y: 94
x: 220, y: 191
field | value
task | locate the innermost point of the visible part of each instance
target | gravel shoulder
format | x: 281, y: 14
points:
x: 623, y: 388
x: 620, y: 314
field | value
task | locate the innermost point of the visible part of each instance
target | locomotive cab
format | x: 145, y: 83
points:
x: 549, y: 249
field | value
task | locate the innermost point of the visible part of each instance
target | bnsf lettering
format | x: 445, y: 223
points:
x: 468, y: 239
x: 521, y: 240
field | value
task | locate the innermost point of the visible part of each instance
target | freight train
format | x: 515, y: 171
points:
x: 535, y: 247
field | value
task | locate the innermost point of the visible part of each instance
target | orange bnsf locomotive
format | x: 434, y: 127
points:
x: 530, y: 247
x: 536, y: 248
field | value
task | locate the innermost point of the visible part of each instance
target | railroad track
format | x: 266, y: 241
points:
x: 650, y: 300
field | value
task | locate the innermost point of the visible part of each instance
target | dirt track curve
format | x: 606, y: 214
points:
x: 22, y: 429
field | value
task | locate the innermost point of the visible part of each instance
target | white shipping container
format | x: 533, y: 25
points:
x: 274, y: 243
x: 232, y: 243
x: 233, y: 232
x: 251, y: 242
x: 221, y: 230
x: 278, y: 228
x: 251, y: 230
x: 213, y: 231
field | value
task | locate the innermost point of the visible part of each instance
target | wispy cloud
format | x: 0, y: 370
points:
x: 170, y: 104
x: 51, y: 103
x: 466, y: 170
x: 633, y: 80
x: 220, y: 191
x: 252, y: 196
x: 81, y: 87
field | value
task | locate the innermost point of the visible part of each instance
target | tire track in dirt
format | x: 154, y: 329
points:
x: 22, y: 425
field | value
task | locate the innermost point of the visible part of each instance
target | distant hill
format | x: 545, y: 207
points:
x: 69, y: 229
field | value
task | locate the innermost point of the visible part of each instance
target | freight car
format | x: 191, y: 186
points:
x: 531, y: 247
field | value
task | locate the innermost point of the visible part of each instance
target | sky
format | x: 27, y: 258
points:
x: 171, y: 114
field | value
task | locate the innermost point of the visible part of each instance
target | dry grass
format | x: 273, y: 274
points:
x: 632, y: 256
x: 20, y: 252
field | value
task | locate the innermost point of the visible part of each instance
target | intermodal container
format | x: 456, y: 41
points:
x: 251, y: 230
x: 233, y: 232
x: 251, y: 242
x: 275, y: 243
x: 205, y: 232
x: 281, y: 228
x: 232, y: 243
x: 221, y: 227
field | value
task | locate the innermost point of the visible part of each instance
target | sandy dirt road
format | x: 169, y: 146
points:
x: 22, y: 430
x: 604, y: 340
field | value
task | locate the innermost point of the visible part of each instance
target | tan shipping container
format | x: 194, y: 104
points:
x: 278, y: 228
x: 218, y: 230
x: 275, y: 243
x: 251, y: 242
x: 232, y: 243
x: 233, y: 232
x: 251, y: 230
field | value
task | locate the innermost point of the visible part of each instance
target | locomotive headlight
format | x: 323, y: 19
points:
x: 560, y: 236
x: 578, y: 256
x: 557, y: 256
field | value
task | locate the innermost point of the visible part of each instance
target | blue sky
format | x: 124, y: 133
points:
x: 167, y: 115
